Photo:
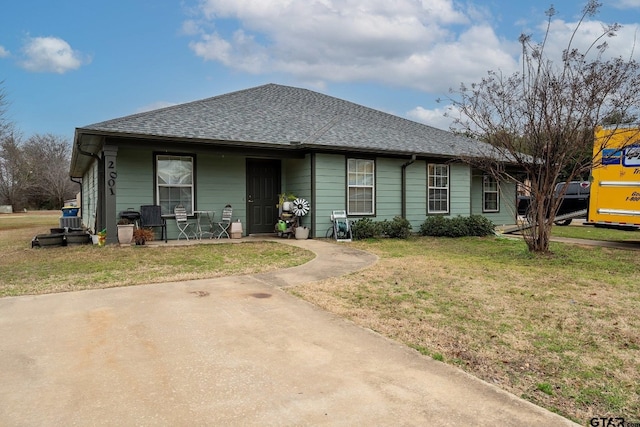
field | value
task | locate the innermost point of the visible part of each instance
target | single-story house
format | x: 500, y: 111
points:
x: 245, y: 148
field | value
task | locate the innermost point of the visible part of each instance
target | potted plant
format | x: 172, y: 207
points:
x: 142, y: 235
x: 285, y: 200
x: 125, y: 231
x: 300, y: 207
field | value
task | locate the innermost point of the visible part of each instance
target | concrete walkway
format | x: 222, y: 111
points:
x: 228, y: 351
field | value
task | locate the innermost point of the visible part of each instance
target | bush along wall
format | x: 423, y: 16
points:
x: 365, y: 228
x: 438, y: 226
x: 474, y: 225
x: 398, y: 228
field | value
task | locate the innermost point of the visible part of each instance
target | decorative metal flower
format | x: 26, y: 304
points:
x: 300, y: 207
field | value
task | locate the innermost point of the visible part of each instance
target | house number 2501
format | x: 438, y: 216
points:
x: 111, y: 182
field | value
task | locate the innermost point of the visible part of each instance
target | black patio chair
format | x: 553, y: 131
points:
x: 151, y: 217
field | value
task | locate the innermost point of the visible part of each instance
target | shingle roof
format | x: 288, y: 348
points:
x: 278, y: 115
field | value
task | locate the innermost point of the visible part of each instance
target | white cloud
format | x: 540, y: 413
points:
x: 622, y: 44
x: 441, y: 118
x: 627, y: 4
x: 3, y: 52
x: 51, y: 54
x: 190, y: 28
x: 435, y: 117
x: 239, y: 52
x: 213, y: 48
x: 429, y: 45
x: 343, y: 40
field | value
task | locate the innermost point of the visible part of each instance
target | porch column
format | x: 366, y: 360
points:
x: 313, y: 196
x: 110, y: 177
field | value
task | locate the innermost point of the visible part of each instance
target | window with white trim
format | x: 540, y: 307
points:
x: 438, y: 188
x: 490, y: 194
x: 360, y: 187
x: 174, y: 183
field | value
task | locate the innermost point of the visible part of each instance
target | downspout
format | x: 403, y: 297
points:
x: 403, y: 191
x: 80, y: 184
x: 86, y: 153
x: 313, y: 195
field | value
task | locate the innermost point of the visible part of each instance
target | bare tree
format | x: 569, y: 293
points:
x: 542, y: 119
x: 5, y: 125
x: 47, y: 158
x: 14, y: 173
x: 33, y: 173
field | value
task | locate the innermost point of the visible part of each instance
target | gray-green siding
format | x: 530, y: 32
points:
x: 507, y: 194
x: 465, y: 196
x: 459, y: 189
x: 296, y: 179
x: 220, y: 179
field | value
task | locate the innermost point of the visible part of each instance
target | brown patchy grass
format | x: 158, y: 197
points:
x: 561, y: 331
x: 25, y: 270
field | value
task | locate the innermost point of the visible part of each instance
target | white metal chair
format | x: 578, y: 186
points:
x: 225, y: 222
x: 184, y: 226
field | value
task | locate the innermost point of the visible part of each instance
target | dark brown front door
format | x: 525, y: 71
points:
x: 263, y: 186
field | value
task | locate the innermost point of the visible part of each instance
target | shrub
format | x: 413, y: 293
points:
x: 458, y: 227
x: 434, y: 226
x: 364, y: 228
x: 398, y: 228
x: 439, y: 226
x: 141, y: 235
x: 480, y: 226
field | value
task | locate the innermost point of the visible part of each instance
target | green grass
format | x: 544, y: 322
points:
x: 590, y: 232
x: 562, y: 329
x: 26, y: 270
x: 546, y: 388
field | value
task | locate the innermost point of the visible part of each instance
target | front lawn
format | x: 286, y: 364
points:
x: 24, y: 270
x: 562, y: 331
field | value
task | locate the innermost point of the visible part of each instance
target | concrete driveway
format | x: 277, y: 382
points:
x: 229, y: 351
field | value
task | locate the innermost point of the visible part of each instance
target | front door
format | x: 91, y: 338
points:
x: 263, y: 186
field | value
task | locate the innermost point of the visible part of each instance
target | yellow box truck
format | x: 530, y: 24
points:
x: 614, y: 199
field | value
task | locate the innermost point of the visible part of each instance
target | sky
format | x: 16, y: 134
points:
x: 71, y: 63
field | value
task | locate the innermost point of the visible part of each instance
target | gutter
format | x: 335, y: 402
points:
x: 403, y: 191
x: 80, y: 184
x: 84, y: 153
x: 79, y: 149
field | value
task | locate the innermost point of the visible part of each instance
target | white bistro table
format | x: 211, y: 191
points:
x: 204, y: 223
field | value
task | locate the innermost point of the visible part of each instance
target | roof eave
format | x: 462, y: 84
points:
x: 85, y: 148
x: 88, y: 143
